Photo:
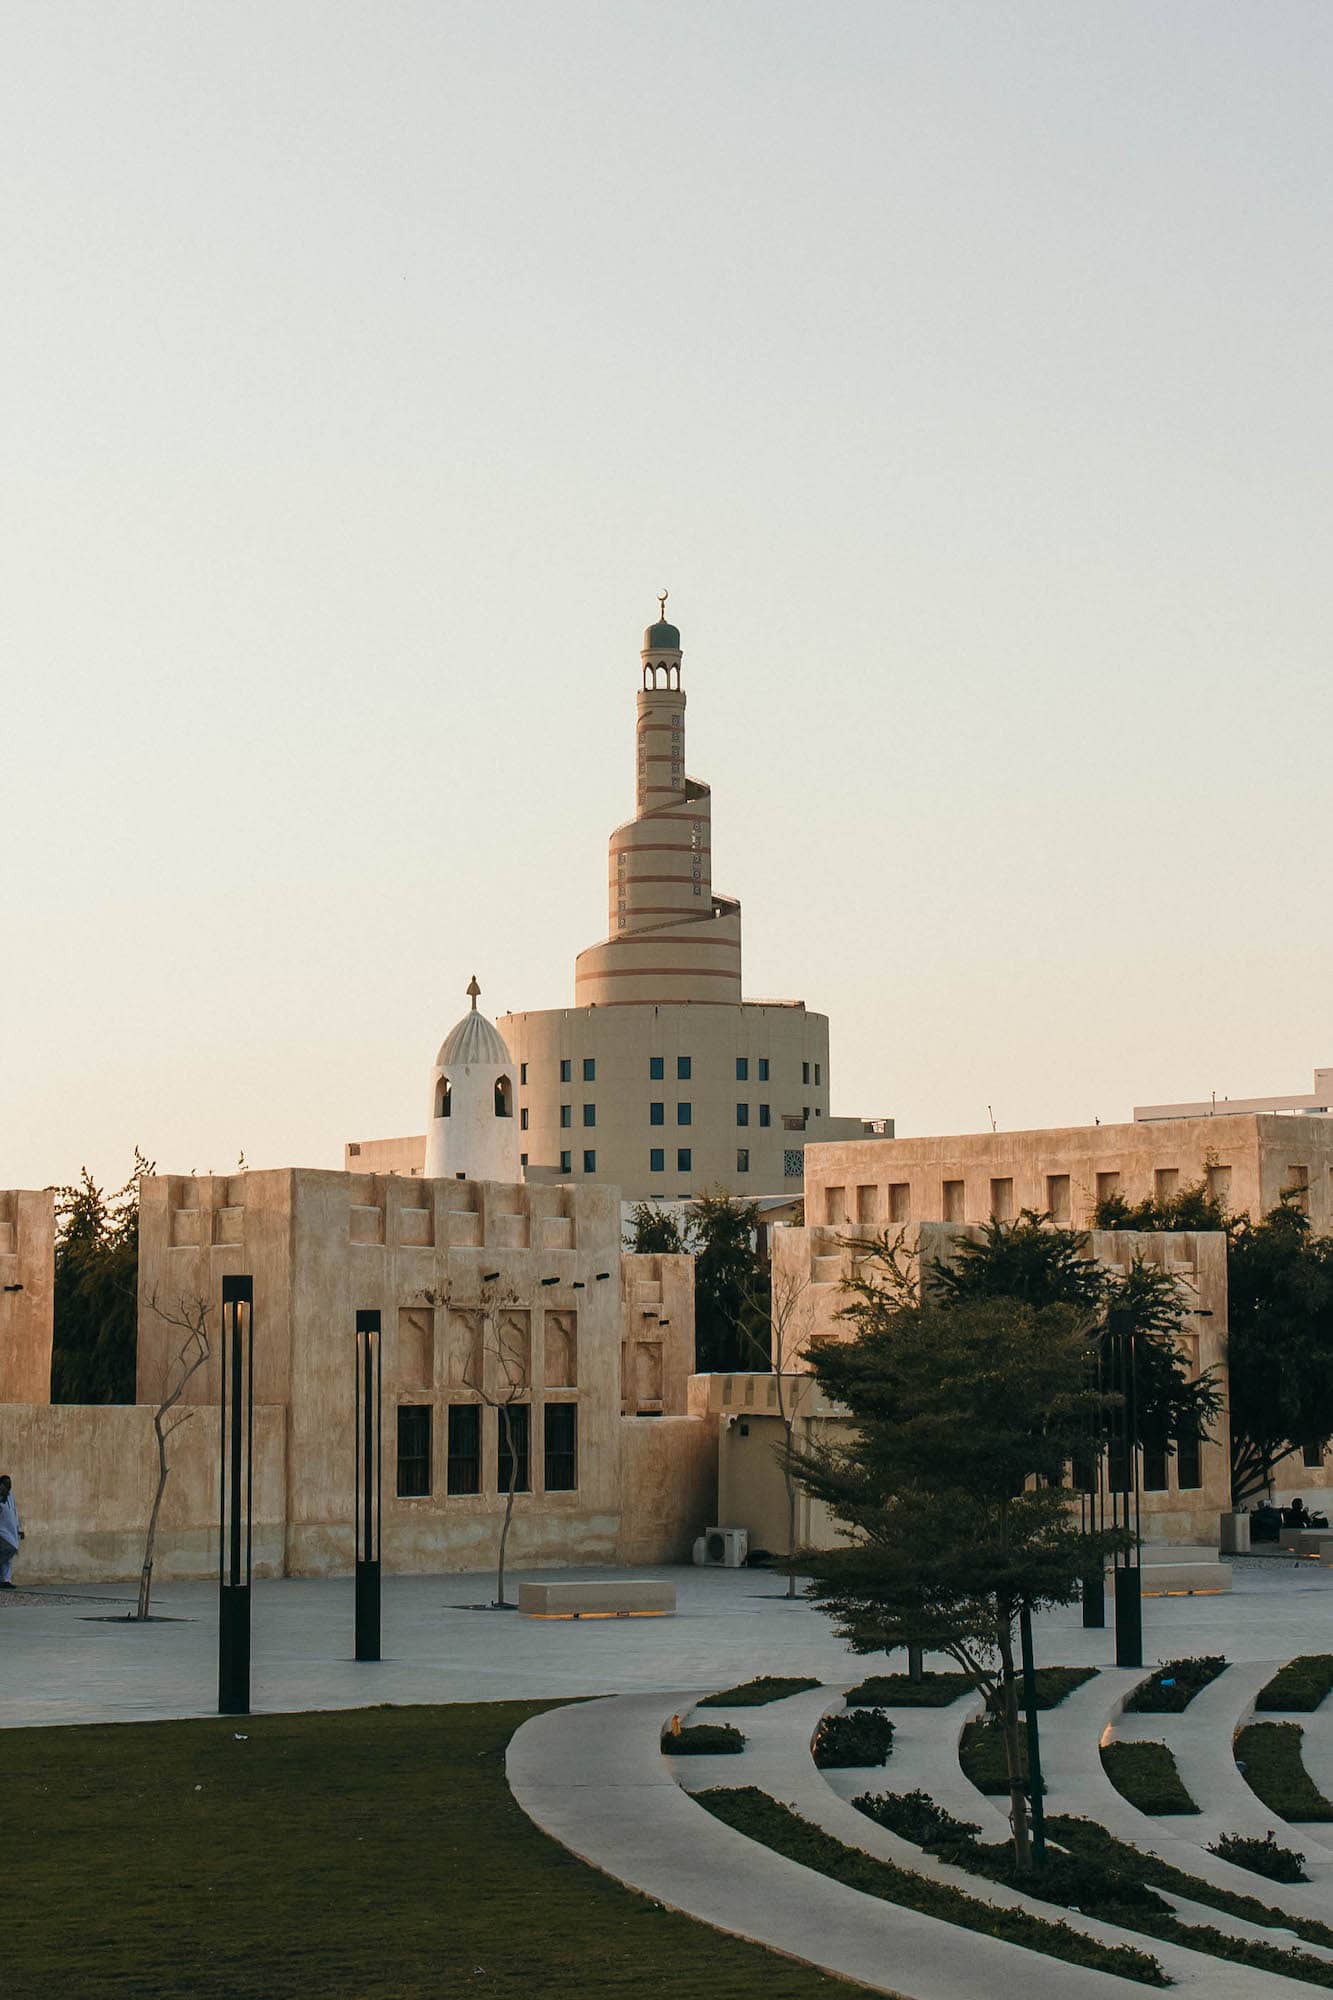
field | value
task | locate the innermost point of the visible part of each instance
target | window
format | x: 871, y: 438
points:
x: 566, y: 1116
x: 413, y: 1451
x: 818, y: 1073
x: 793, y: 1163
x: 684, y: 1113
x: 523, y: 1119
x: 562, y: 1447
x: 867, y: 1204
x: 589, y: 1161
x: 1165, y: 1182
x: 443, y: 1095
x: 522, y: 1159
x: 900, y: 1201
x: 742, y: 1159
x: 1313, y: 1453
x: 566, y: 1163
x: 835, y: 1204
x: 590, y: 1069
x: 763, y: 1069
x: 656, y: 1068
x: 518, y: 1415
x: 805, y: 1072
x: 656, y: 1160
x: 1188, y: 1472
x: 1107, y: 1186
x: 1297, y: 1188
x: 1002, y: 1200
x: 742, y: 1069
x: 742, y: 1114
x: 464, y: 1463
x: 657, y: 1114
x: 682, y: 1068
x: 522, y: 1072
x: 1219, y: 1184
x: 589, y: 1115
x: 765, y: 1115
x: 1057, y: 1197
x: 504, y: 1097
x: 952, y: 1202
x: 1154, y: 1465
x: 683, y: 1160
x: 566, y: 1070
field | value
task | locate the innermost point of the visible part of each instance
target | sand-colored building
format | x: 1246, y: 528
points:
x: 27, y: 1293
x: 662, y: 1079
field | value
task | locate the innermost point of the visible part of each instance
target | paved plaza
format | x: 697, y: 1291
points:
x: 70, y: 1658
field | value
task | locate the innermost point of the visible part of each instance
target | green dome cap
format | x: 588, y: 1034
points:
x: 661, y: 638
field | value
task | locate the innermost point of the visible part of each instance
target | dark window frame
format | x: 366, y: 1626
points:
x: 560, y: 1453
x: 462, y: 1478
x: 414, y: 1469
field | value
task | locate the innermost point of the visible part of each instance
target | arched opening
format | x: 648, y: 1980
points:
x: 504, y: 1097
x: 443, y: 1097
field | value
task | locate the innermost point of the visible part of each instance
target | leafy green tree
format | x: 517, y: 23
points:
x: 1279, y: 1344
x: 731, y: 1282
x: 654, y: 1230
x: 1191, y: 1207
x: 964, y: 1413
x: 95, y: 1300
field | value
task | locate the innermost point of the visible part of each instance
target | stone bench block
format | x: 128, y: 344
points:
x: 618, y: 1597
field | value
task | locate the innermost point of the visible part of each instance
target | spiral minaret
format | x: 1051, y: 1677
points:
x: 669, y: 937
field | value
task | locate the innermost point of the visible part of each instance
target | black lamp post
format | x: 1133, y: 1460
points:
x: 1124, y: 1482
x: 1092, y: 1504
x: 237, y: 1435
x: 367, y: 1502
x: 1036, y: 1801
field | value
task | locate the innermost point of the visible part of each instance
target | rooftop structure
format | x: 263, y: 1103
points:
x: 1318, y: 1104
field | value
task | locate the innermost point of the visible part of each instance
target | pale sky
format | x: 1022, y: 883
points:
x: 365, y: 370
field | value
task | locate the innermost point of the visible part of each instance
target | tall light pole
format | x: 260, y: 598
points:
x: 366, y: 1507
x: 236, y: 1492
x: 1124, y: 1480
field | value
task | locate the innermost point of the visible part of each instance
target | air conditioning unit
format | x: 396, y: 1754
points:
x: 722, y: 1548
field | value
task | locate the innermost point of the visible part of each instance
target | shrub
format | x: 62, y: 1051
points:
x: 916, y: 1817
x: 755, y: 1693
x: 1269, y: 1753
x: 981, y: 1754
x: 702, y: 1739
x: 1301, y: 1685
x: 897, y: 1691
x: 846, y: 1742
x: 1261, y: 1857
x: 1175, y: 1684
x: 1146, y: 1775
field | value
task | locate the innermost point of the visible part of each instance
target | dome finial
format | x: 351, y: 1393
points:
x: 474, y: 991
x: 662, y: 596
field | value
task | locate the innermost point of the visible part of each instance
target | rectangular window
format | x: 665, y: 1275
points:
x: 1312, y: 1454
x: 519, y: 1415
x: 952, y: 1203
x: 817, y: 1073
x: 589, y: 1114
x: 682, y: 1069
x: 684, y: 1113
x: 835, y: 1204
x: 561, y: 1424
x: 805, y: 1072
x: 867, y: 1204
x: 763, y: 1069
x: 683, y: 1160
x: 657, y: 1114
x: 1165, y: 1182
x: 656, y: 1068
x: 1107, y: 1185
x: 566, y: 1163
x: 523, y: 1118
x: 1002, y: 1200
x: 589, y: 1162
x: 464, y: 1465
x: 522, y: 1072
x: 742, y: 1114
x: 742, y: 1069
x: 522, y: 1159
x: 566, y: 1116
x: 1297, y: 1188
x: 566, y: 1070
x: 742, y: 1159
x: 413, y: 1451
x: 1154, y: 1465
x: 656, y: 1160
x: 1057, y: 1197
x: 590, y: 1069
x: 1219, y: 1184
x: 1188, y: 1471
x: 765, y: 1115
x: 900, y: 1201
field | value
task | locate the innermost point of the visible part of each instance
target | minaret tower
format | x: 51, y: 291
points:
x: 472, y: 1133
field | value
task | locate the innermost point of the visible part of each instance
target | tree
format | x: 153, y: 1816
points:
x: 96, y: 1276
x: 1279, y: 1344
x: 730, y: 1281
x: 654, y: 1231
x: 963, y: 1415
x: 1191, y: 1207
x: 498, y: 1371
x: 192, y: 1318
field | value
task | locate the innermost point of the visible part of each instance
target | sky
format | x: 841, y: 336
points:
x: 365, y: 371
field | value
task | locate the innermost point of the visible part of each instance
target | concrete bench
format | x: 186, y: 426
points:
x: 1316, y: 1542
x: 619, y: 1597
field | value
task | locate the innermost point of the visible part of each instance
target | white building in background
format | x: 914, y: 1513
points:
x: 1319, y: 1104
x: 662, y: 1079
x: 472, y: 1130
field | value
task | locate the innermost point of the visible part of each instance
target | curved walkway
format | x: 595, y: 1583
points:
x: 593, y: 1778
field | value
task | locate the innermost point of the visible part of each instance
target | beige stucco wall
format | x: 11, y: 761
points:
x: 668, y: 1486
x: 27, y: 1289
x: 657, y: 1334
x: 84, y: 1479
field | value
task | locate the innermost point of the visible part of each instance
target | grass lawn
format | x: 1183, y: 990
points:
x: 372, y: 1854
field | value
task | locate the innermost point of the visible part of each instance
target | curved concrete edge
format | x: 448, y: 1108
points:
x: 592, y: 1777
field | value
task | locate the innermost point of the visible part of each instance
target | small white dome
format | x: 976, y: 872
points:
x: 474, y: 1039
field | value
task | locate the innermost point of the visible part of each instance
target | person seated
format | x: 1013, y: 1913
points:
x: 1297, y: 1515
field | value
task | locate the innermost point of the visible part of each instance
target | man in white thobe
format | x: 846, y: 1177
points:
x: 10, y: 1532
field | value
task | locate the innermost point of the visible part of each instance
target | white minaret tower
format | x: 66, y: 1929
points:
x: 472, y: 1133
